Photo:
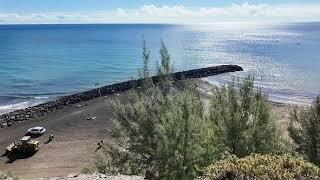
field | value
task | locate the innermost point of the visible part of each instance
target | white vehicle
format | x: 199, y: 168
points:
x: 37, y: 130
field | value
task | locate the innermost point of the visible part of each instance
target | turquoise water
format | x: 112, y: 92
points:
x: 41, y: 62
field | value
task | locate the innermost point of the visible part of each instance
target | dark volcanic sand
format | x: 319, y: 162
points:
x: 73, y: 146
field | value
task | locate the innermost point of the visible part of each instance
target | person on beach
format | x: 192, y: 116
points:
x: 51, y: 136
x: 100, y: 144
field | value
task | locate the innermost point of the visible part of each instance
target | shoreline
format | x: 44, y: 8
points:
x: 273, y: 102
x: 76, y: 137
x: 29, y: 113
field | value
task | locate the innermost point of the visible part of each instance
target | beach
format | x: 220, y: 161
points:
x: 76, y: 138
x: 73, y: 147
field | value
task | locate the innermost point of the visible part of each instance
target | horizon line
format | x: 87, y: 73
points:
x: 158, y: 23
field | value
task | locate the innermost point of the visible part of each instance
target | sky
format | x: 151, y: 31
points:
x: 156, y: 11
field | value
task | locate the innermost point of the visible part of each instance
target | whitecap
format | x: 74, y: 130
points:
x: 11, y: 107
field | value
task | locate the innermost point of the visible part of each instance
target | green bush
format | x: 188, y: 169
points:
x: 164, y: 70
x: 304, y: 129
x: 243, y: 120
x: 258, y: 166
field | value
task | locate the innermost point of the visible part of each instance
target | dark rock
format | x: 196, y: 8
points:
x: 4, y: 125
x: 42, y: 109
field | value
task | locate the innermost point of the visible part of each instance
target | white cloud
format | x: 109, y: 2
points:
x: 174, y: 14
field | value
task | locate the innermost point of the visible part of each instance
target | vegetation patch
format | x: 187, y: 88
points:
x: 258, y: 166
x: 304, y: 129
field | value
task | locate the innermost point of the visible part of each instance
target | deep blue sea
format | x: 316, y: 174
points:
x: 41, y: 62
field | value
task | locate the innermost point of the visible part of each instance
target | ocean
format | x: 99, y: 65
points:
x: 41, y: 62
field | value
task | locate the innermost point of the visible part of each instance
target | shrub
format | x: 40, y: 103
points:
x: 304, y: 129
x: 243, y: 120
x: 258, y: 166
x: 144, y: 71
x: 11, y: 175
x: 86, y: 170
x: 164, y: 70
x: 102, y: 164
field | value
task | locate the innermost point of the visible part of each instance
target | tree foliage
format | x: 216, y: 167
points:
x: 145, y: 72
x: 243, y: 120
x: 164, y: 69
x: 304, y: 129
x: 168, y: 136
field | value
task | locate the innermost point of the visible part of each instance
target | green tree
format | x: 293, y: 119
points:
x: 165, y: 69
x: 144, y: 72
x: 168, y: 136
x: 304, y: 129
x: 243, y: 120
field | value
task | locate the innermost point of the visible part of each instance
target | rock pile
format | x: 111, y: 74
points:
x: 29, y: 113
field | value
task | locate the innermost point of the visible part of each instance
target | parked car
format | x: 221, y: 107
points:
x: 37, y: 130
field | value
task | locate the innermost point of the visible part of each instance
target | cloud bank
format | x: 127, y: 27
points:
x: 174, y: 14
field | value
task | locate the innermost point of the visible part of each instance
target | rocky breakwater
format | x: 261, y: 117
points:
x: 6, y: 120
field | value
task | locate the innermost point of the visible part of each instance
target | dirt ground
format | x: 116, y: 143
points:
x: 74, y: 144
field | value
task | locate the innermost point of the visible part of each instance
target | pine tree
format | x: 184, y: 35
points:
x: 304, y: 129
x: 243, y: 120
x: 165, y: 69
x: 144, y: 72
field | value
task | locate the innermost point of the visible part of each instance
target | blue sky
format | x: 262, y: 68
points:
x: 83, y: 5
x: 156, y: 11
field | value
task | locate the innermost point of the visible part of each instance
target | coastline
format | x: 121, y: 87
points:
x: 74, y: 146
x: 29, y: 113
